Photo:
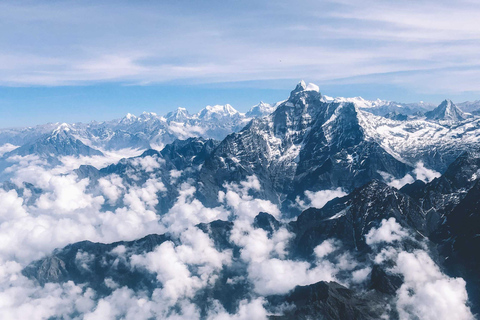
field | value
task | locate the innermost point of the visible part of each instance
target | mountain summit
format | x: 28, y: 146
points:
x: 447, y: 111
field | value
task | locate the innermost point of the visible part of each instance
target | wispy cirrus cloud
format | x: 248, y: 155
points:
x: 72, y: 43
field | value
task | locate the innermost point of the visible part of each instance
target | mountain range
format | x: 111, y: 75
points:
x: 312, y: 207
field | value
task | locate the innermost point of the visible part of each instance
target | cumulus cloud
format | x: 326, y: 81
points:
x: 325, y: 248
x: 389, y: 231
x: 425, y: 174
x: 172, y: 265
x: 237, y: 198
x: 420, y: 172
x: 247, y: 310
x: 64, y: 194
x: 396, y: 183
x: 268, y: 263
x: 70, y: 163
x: 320, y: 198
x: 11, y: 206
x: 59, y: 208
x: 111, y: 187
x: 360, y: 275
x: 69, y: 210
x: 188, y: 211
x: 7, y: 147
x: 426, y: 292
x: 174, y: 175
x: 148, y: 163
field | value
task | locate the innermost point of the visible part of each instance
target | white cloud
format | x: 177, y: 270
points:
x: 64, y: 194
x: 319, y: 198
x: 188, y: 211
x: 174, y: 175
x: 421, y: 173
x: 148, y: 163
x: 242, y: 204
x: 111, y: 187
x: 396, y: 43
x: 144, y: 198
x: 11, y: 206
x: 171, y: 265
x: 397, y: 183
x: 7, y: 147
x: 246, y: 310
x: 427, y: 293
x: 70, y: 163
x: 389, y: 231
x: 325, y: 248
x: 360, y: 275
x: 267, y: 263
x: 425, y: 174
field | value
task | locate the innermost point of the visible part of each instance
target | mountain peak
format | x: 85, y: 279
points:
x: 448, y: 111
x: 147, y: 115
x: 302, y: 87
x: 181, y: 114
x: 129, y: 118
x: 217, y: 111
x: 62, y: 129
x: 260, y: 110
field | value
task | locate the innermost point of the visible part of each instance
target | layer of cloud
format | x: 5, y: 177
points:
x: 67, y: 210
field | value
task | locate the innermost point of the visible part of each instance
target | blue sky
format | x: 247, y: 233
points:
x: 83, y: 60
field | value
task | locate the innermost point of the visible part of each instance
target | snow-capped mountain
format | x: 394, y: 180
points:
x: 218, y: 113
x: 447, y: 111
x: 179, y: 115
x: 62, y: 141
x: 150, y: 130
x: 384, y: 107
x: 147, y: 130
x: 436, y: 143
x: 305, y: 144
x: 261, y: 109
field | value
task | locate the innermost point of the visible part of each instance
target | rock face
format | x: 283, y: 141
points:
x: 347, y: 220
x: 350, y: 218
x: 329, y: 300
x: 443, y: 194
x: 435, y: 143
x: 146, y: 131
x: 460, y: 242
x: 189, y: 152
x: 92, y: 263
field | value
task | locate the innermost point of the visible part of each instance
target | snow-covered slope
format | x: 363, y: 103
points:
x: 383, y: 107
x: 435, y: 143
